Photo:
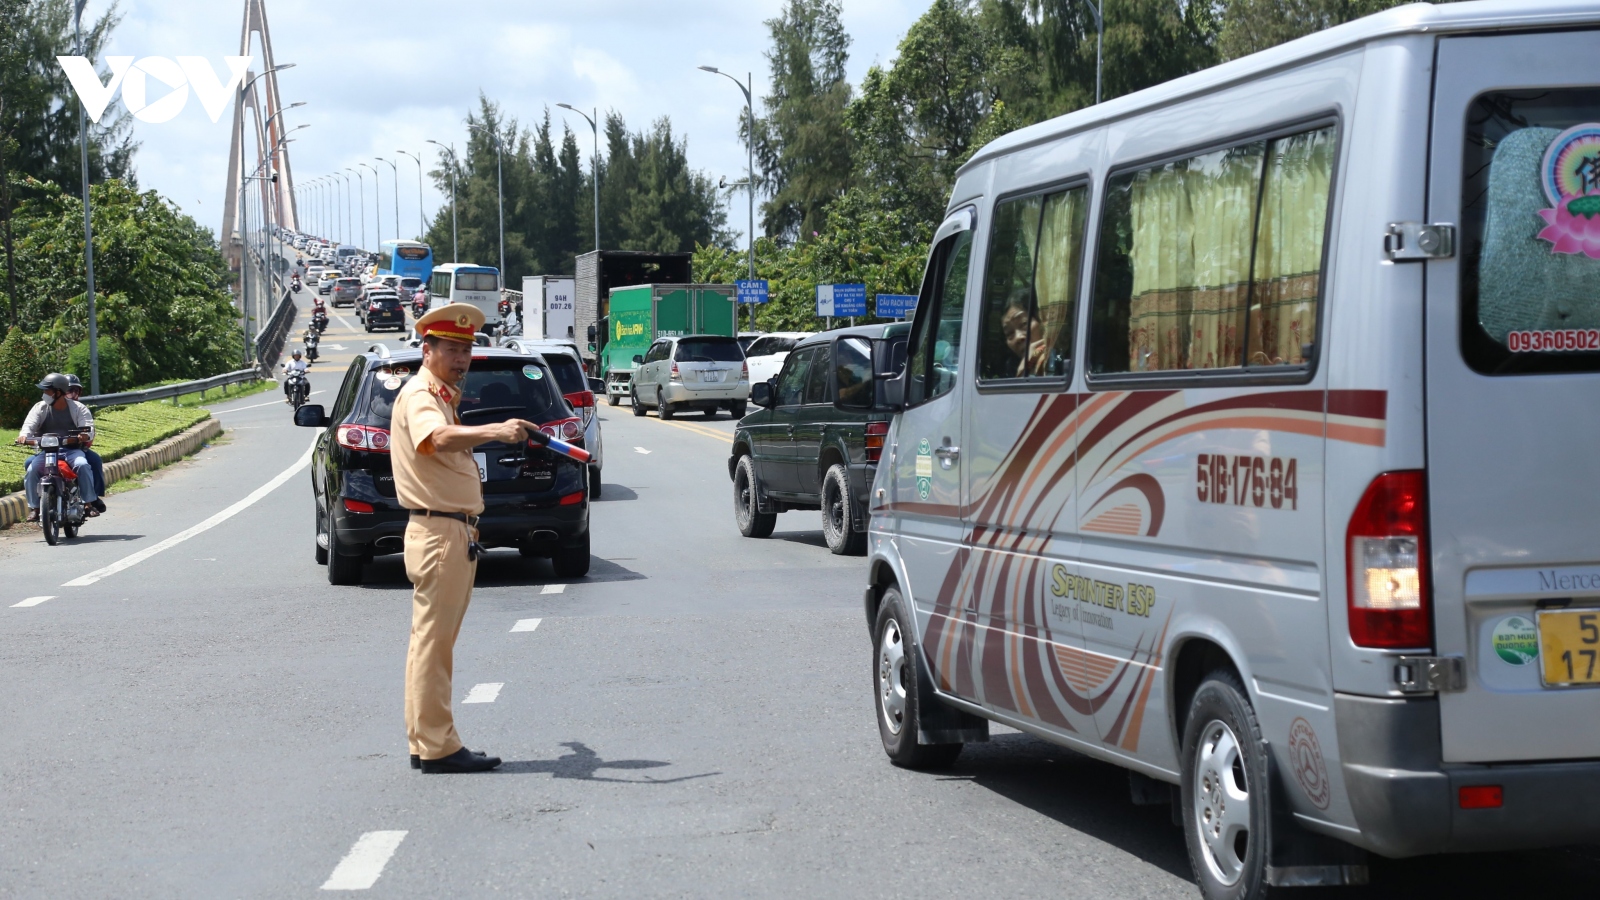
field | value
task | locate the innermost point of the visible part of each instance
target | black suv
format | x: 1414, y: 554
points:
x: 534, y: 500
x: 382, y: 310
x: 816, y: 440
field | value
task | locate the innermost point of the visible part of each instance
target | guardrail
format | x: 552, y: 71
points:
x: 172, y: 390
x: 269, y: 343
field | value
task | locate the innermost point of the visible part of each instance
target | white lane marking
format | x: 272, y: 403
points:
x: 361, y: 867
x: 641, y: 450
x: 134, y: 559
x: 484, y: 693
x: 553, y: 589
x: 35, y: 601
x: 526, y: 624
x: 259, y: 405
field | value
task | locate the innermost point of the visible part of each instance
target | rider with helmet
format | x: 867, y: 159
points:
x: 297, y: 364
x: 74, y: 391
x: 57, y: 414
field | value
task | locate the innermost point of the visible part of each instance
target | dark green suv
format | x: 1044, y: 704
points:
x: 815, y: 441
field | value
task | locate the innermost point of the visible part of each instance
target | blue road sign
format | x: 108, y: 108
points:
x: 752, y: 291
x: 895, y: 306
x: 841, y: 300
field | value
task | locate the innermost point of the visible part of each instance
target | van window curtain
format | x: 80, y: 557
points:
x: 1061, y: 253
x: 1288, y: 256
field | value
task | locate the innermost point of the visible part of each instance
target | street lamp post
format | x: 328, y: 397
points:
x: 361, y: 184
x: 500, y: 190
x: 422, y: 226
x: 750, y: 188
x: 88, y: 225
x: 594, y: 168
x: 377, y: 211
x: 396, y: 171
x: 454, y: 256
x: 1099, y: 41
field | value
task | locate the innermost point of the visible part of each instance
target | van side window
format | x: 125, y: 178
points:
x: 936, y: 330
x: 792, y: 380
x: 1214, y: 261
x: 1031, y: 285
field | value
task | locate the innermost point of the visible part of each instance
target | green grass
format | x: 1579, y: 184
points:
x: 119, y: 431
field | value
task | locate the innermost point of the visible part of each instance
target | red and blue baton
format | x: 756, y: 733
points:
x: 577, y: 454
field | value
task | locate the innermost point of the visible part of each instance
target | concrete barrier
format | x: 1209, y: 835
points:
x: 14, y: 507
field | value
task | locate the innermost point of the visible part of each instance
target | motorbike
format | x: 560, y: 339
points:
x: 61, y: 507
x: 419, y: 303
x: 319, y: 321
x: 299, y: 389
x: 311, y: 338
x: 295, y: 282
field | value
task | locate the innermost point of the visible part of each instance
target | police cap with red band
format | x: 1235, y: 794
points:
x: 453, y: 321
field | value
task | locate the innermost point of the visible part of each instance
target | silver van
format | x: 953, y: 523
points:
x: 1249, y: 441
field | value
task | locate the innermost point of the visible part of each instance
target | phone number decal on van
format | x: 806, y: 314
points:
x: 1248, y: 480
x: 1553, y: 341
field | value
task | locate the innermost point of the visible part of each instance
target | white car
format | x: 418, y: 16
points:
x: 767, y: 353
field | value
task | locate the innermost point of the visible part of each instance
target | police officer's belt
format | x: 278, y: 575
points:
x: 459, y: 517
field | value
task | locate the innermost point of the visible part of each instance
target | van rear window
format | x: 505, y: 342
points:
x: 1530, y: 232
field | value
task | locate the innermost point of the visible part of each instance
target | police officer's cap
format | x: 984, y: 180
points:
x: 453, y: 321
x: 55, y: 381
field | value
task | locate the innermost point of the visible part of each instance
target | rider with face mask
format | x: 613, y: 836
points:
x: 75, y: 391
x: 56, y: 414
x: 297, y: 364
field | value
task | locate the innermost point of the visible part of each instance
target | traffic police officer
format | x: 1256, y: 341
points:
x: 436, y: 478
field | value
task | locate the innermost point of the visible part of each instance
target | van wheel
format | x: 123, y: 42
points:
x: 752, y: 522
x: 841, y: 536
x: 1224, y: 791
x: 663, y: 408
x: 342, y: 569
x: 633, y: 397
x: 572, y: 562
x: 738, y: 408
x: 897, y: 683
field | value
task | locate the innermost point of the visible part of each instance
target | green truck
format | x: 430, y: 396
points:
x: 637, y: 315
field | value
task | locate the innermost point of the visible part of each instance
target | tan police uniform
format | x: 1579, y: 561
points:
x: 435, y: 550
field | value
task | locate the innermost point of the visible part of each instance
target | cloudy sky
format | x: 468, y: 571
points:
x: 380, y: 77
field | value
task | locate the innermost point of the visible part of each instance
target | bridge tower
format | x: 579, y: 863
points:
x: 261, y: 96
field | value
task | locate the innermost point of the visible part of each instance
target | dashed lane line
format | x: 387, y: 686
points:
x: 641, y: 450
x: 484, y: 693
x: 134, y: 559
x: 35, y: 601
x: 361, y: 867
x: 553, y: 589
x: 526, y: 624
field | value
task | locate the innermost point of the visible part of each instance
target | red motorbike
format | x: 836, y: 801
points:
x: 61, y: 507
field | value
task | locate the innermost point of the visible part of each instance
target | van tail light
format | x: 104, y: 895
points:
x: 580, y: 399
x: 357, y: 506
x: 1387, y: 564
x: 363, y: 437
x: 877, y: 432
x: 674, y: 370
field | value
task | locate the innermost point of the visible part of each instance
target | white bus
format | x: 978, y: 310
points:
x: 467, y: 283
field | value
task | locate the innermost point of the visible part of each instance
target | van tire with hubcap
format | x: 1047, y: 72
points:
x: 746, y: 513
x: 897, y: 686
x: 1225, y: 792
x: 842, y: 537
x: 663, y: 408
x: 633, y: 397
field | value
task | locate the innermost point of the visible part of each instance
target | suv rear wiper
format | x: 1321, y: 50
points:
x: 492, y: 409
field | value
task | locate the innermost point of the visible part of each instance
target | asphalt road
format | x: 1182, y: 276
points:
x: 692, y: 719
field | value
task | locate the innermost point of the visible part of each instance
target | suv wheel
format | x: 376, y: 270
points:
x: 321, y: 540
x: 342, y: 569
x: 663, y: 408
x: 633, y: 397
x: 594, y: 483
x: 752, y: 522
x: 1224, y: 792
x: 841, y: 536
x: 572, y: 562
x: 710, y: 412
x: 897, y: 682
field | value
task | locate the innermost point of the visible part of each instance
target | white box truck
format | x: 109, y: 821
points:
x: 547, y: 307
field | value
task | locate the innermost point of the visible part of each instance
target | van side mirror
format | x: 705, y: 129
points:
x: 761, y: 394
x: 312, y: 415
x: 638, y: 359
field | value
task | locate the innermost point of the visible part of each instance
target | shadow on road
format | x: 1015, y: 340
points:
x: 583, y: 764
x: 809, y: 538
x: 609, y: 492
x: 497, y: 568
x: 98, y: 538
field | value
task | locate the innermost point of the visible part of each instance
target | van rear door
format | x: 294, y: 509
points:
x: 1513, y: 393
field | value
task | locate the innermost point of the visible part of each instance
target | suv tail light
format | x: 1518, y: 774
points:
x: 580, y: 399
x: 1387, y: 564
x: 363, y: 437
x: 877, y: 432
x: 744, y: 371
x: 568, y: 430
x: 674, y: 370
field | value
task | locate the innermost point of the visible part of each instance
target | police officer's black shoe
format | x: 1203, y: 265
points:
x: 416, y: 761
x: 462, y: 760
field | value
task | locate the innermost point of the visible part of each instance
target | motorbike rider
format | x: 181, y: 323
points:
x: 56, y: 414
x: 74, y: 391
x: 297, y: 364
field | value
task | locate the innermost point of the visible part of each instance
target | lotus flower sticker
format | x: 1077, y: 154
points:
x: 1571, y: 176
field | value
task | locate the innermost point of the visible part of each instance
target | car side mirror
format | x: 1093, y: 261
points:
x: 312, y: 415
x: 761, y: 394
x: 597, y: 385
x: 638, y: 359
x: 593, y: 335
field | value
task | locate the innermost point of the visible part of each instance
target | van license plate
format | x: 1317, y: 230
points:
x: 1569, y: 645
x: 710, y: 376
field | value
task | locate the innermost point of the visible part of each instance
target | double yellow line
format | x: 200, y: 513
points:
x: 700, y: 429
